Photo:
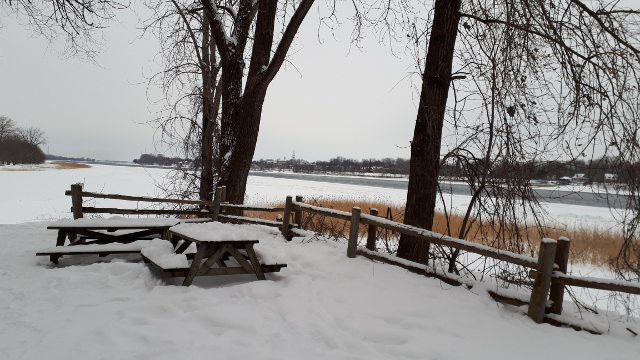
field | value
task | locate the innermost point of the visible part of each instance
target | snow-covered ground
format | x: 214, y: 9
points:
x: 323, y: 305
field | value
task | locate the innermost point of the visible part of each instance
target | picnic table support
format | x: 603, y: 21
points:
x: 353, y: 232
x: 542, y: 282
x: 556, y: 293
x: 59, y: 242
x: 214, y: 254
x: 372, y: 232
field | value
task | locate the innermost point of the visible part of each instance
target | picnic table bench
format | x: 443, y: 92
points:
x: 215, y: 243
x: 107, y: 236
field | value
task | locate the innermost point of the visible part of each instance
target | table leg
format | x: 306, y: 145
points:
x: 62, y: 234
x: 195, y: 265
x: 254, y: 261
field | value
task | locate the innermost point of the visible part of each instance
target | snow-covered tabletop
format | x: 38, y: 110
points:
x: 217, y: 232
x: 114, y: 222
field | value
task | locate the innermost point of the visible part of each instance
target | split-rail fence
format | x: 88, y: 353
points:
x: 548, y: 270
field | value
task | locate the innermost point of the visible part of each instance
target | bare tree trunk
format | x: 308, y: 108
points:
x: 427, y: 136
x: 206, y: 175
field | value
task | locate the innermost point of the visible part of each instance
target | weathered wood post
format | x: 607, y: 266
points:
x: 215, y: 211
x: 297, y: 217
x: 76, y: 200
x: 542, y: 282
x: 223, y: 197
x: 372, y: 232
x: 556, y: 293
x: 352, y: 245
x: 286, y: 217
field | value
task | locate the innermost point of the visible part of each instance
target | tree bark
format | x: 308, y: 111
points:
x: 427, y: 136
x: 206, y: 161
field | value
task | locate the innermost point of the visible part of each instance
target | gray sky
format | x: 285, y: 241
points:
x: 335, y: 102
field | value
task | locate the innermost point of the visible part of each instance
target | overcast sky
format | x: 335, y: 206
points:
x: 337, y: 101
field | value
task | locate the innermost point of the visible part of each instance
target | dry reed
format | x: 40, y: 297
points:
x: 65, y: 165
x: 590, y: 244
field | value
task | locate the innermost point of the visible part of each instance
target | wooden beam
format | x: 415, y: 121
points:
x: 556, y: 292
x: 371, y: 232
x: 354, y: 229
x: 542, y: 281
x: 95, y: 210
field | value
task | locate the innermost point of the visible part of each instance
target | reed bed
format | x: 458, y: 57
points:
x: 65, y: 165
x: 590, y: 244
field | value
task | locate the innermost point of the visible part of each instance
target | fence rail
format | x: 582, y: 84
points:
x: 549, y: 272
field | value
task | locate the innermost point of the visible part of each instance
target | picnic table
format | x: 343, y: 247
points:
x: 215, y: 244
x: 115, y: 235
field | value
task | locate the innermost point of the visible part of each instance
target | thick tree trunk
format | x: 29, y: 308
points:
x: 206, y: 161
x: 243, y: 128
x: 427, y: 136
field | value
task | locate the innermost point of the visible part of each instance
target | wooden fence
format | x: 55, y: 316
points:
x: 548, y: 270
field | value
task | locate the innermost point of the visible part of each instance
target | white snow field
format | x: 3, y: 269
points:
x: 322, y: 306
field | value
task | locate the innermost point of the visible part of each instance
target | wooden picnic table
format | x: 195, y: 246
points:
x: 210, y: 250
x: 90, y: 234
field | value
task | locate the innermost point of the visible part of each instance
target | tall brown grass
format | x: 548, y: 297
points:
x: 65, y: 165
x: 590, y: 244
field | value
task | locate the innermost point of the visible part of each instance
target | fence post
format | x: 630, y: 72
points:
x: 542, y: 282
x: 352, y: 245
x: 298, y: 213
x: 556, y: 293
x: 76, y: 200
x: 286, y: 218
x: 215, y: 211
x: 372, y: 232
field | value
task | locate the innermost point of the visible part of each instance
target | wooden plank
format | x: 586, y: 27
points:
x: 250, y: 220
x: 436, y: 238
x: 185, y: 237
x: 352, y: 245
x: 183, y: 246
x: 506, y: 299
x: 213, y: 258
x: 371, y: 232
x: 141, y: 198
x: 254, y: 261
x: 195, y: 265
x: 251, y: 208
x: 542, y: 281
x: 414, y: 269
x: 62, y: 234
x: 556, y: 292
x: 593, y: 283
x: 343, y: 215
x: 242, y: 261
x: 96, y: 210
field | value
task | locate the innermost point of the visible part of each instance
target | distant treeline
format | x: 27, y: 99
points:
x: 158, y: 159
x: 338, y: 165
x: 56, y: 157
x: 20, y: 145
x: 593, y: 171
